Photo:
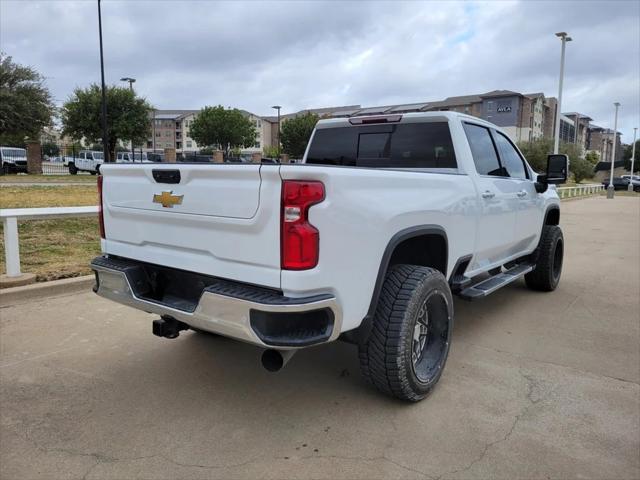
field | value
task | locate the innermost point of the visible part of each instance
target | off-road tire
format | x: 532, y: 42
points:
x: 73, y: 170
x: 386, y: 357
x: 548, y: 257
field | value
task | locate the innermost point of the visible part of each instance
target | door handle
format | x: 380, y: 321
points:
x: 522, y: 193
x: 488, y: 194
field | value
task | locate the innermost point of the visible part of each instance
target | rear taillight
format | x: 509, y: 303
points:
x: 100, y: 214
x: 300, y: 242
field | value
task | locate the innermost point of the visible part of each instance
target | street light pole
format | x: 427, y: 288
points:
x: 278, y: 107
x: 105, y: 136
x: 131, y: 81
x: 633, y: 157
x: 556, y: 143
x: 610, y: 189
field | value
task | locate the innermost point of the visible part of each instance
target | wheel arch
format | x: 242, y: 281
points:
x: 401, y: 249
x: 552, y: 215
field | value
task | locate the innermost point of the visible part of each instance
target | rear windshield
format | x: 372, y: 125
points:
x: 403, y: 145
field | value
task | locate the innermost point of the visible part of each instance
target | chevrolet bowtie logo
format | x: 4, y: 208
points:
x: 168, y: 199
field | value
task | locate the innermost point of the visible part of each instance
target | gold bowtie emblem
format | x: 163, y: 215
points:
x: 168, y: 199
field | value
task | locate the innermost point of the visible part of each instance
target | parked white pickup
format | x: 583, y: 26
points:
x: 366, y: 240
x: 85, y: 161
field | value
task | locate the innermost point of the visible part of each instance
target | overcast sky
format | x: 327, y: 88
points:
x: 187, y: 54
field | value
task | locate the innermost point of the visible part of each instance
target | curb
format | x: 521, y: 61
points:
x: 66, y: 286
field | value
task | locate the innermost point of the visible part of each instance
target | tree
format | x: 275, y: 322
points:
x: 50, y: 149
x: 296, y: 133
x: 592, y: 157
x: 224, y: 128
x: 581, y: 168
x: 626, y: 156
x: 127, y: 116
x: 270, y: 151
x: 25, y: 102
x: 536, y: 152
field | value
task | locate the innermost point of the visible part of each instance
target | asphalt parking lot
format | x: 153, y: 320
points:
x: 537, y: 386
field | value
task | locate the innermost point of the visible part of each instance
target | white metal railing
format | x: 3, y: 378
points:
x: 10, y: 217
x: 580, y: 190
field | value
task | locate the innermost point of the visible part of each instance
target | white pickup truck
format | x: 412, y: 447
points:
x: 366, y: 240
x: 86, y: 161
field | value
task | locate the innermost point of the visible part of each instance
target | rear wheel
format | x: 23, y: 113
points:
x: 549, y: 256
x: 409, y: 342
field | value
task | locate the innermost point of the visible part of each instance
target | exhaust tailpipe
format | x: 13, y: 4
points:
x: 274, y: 360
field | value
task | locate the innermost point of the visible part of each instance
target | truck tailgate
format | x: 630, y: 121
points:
x: 220, y: 220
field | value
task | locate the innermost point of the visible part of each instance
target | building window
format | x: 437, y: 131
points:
x: 257, y: 145
x: 189, y: 144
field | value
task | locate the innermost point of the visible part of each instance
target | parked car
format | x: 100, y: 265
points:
x: 13, y: 160
x: 86, y: 161
x: 127, y: 157
x: 621, y: 183
x: 367, y: 240
x: 635, y: 178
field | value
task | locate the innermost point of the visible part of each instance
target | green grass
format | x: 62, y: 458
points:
x: 53, y: 249
x: 43, y: 196
x: 47, y: 178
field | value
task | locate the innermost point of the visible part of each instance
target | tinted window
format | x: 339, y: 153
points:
x: 483, y: 150
x: 409, y: 145
x: 510, y: 158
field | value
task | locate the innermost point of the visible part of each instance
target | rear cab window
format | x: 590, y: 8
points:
x: 421, y: 145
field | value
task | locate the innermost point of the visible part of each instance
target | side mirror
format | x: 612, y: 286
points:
x: 557, y: 169
x: 557, y: 172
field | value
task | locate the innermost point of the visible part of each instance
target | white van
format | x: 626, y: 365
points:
x: 13, y: 160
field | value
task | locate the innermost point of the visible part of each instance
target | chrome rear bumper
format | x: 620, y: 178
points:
x: 232, y: 309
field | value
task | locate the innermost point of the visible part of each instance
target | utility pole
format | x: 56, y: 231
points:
x: 131, y: 82
x: 610, y: 189
x: 633, y: 157
x: 556, y: 143
x: 278, y: 107
x: 105, y: 136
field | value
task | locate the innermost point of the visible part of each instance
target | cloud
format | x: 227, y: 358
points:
x: 187, y: 54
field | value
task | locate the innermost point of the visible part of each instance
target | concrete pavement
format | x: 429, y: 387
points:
x: 538, y: 385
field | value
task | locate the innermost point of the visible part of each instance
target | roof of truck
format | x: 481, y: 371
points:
x: 412, y: 117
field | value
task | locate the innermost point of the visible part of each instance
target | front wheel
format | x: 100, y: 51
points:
x: 73, y: 170
x: 408, y: 346
x: 546, y: 274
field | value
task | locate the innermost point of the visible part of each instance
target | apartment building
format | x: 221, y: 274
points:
x: 171, y: 128
x: 600, y: 140
x: 523, y: 116
x: 574, y: 128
